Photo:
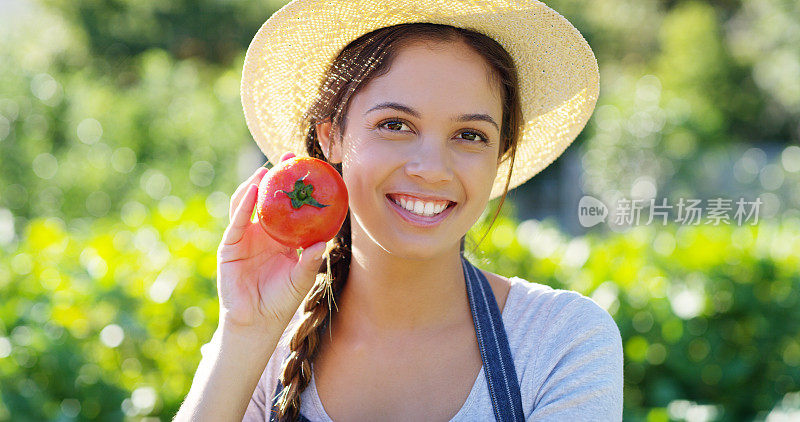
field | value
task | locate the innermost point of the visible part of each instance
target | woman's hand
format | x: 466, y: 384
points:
x: 260, y: 282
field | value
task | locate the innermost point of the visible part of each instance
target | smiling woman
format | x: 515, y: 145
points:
x: 426, y: 121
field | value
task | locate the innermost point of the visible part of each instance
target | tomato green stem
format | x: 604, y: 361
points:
x: 301, y: 195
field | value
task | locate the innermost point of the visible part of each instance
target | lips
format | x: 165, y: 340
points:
x: 445, y: 207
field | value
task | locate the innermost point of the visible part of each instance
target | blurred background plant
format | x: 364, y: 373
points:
x: 122, y: 137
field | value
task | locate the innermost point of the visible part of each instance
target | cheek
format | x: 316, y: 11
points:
x: 481, y: 177
x: 367, y: 160
x: 362, y: 174
x: 357, y: 151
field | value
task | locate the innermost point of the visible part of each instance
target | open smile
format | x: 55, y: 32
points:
x: 420, y: 212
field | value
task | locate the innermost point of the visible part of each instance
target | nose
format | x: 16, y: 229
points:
x: 430, y: 161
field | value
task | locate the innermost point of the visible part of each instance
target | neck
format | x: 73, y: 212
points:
x: 390, y: 295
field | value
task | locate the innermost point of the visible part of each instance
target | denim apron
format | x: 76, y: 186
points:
x: 495, y: 351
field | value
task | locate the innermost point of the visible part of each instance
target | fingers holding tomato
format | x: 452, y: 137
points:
x: 237, y: 196
x: 287, y: 155
x: 240, y: 220
x: 301, y: 201
x: 255, y: 179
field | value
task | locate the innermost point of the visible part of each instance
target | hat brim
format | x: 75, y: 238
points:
x: 289, y: 55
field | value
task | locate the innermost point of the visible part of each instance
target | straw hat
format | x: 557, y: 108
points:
x: 287, y: 59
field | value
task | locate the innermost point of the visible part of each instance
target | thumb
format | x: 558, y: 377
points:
x: 304, y: 273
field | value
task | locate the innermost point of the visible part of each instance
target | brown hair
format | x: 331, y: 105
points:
x: 364, y: 59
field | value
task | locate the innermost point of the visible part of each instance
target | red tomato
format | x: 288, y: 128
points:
x: 302, y: 201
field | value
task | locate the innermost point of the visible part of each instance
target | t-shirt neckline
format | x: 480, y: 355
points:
x: 511, y: 300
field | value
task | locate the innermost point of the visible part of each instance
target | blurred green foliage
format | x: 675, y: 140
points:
x: 79, y: 144
x: 701, y: 90
x: 113, y: 317
x: 211, y: 30
x: 122, y: 138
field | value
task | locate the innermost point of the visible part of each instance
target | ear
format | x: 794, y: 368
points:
x: 331, y: 148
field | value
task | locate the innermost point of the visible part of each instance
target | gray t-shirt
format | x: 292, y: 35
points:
x: 567, y: 352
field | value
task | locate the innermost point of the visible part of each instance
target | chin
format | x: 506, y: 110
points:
x: 418, y: 251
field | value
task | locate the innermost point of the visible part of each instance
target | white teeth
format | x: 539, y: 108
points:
x: 427, y: 209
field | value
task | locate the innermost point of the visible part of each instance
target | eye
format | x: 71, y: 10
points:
x: 394, y: 125
x: 472, y: 134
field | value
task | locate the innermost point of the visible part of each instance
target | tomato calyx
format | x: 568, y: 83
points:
x: 301, y: 195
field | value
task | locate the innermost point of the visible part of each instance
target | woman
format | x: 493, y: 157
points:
x: 425, y: 122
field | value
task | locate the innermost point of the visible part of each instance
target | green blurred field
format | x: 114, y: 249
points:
x: 122, y: 137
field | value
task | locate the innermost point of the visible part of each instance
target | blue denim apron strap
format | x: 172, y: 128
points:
x: 501, y: 376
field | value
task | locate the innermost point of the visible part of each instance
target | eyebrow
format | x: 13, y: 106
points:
x: 406, y: 109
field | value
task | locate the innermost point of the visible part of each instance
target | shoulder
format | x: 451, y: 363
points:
x: 565, y: 346
x: 555, y: 309
x: 533, y: 311
x: 574, y: 323
x: 501, y: 287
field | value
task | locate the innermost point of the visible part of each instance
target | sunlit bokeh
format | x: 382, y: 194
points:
x: 122, y: 139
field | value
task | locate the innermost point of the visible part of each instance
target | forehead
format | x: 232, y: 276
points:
x: 437, y: 76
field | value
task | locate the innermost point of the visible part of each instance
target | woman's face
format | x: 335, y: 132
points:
x: 426, y: 134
